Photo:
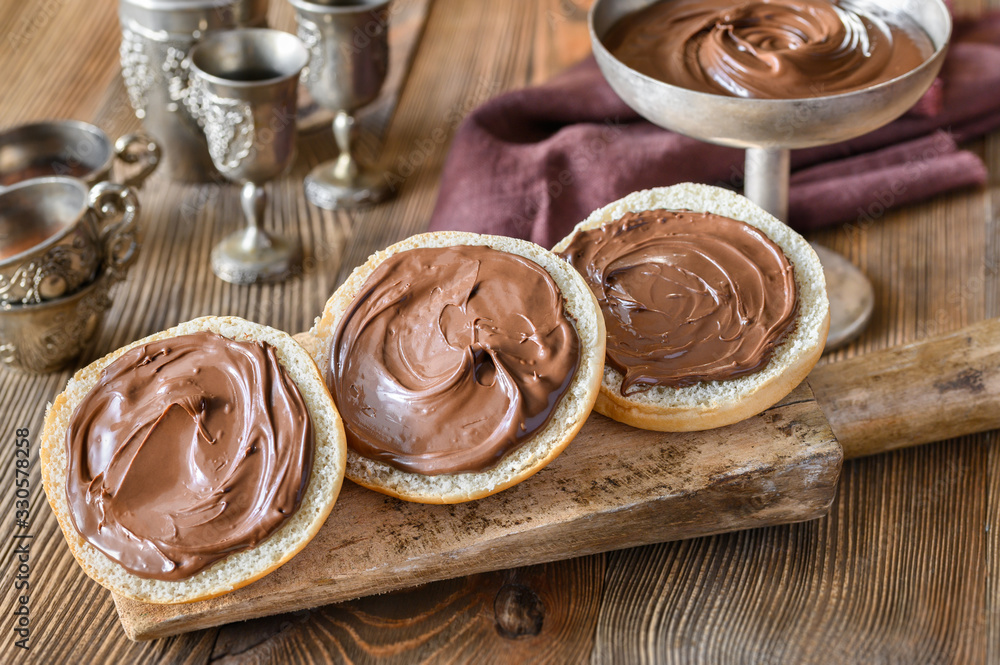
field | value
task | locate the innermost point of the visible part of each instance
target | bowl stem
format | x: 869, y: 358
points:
x: 766, y: 179
x: 852, y: 298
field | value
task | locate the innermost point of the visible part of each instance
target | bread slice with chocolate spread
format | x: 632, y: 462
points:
x: 714, y: 403
x: 239, y: 568
x: 398, y: 477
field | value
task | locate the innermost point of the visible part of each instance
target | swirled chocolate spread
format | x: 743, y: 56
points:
x: 770, y: 49
x: 686, y: 296
x: 449, y: 358
x: 187, y: 450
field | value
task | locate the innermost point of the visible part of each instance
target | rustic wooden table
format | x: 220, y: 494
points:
x: 906, y: 568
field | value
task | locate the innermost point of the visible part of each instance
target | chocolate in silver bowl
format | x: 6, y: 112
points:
x: 769, y: 128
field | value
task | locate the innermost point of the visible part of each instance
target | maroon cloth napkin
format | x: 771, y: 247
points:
x: 533, y: 162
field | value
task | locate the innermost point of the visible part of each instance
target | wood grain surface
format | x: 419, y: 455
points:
x: 905, y: 569
x: 932, y: 389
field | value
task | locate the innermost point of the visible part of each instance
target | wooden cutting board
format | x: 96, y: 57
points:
x: 618, y: 487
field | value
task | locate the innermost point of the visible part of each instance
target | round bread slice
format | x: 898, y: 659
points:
x: 241, y: 568
x: 540, y: 449
x: 711, y: 404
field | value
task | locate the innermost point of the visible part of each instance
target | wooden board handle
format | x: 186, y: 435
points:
x: 926, y: 391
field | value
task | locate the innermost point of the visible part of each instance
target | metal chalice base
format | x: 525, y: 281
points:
x: 326, y: 188
x: 251, y: 256
x: 852, y: 298
x: 345, y: 182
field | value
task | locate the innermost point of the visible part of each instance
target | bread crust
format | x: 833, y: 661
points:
x: 241, y: 568
x: 711, y: 404
x: 540, y: 449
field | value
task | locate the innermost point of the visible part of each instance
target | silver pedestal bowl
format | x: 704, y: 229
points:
x: 768, y: 128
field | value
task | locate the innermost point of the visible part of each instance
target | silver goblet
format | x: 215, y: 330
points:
x: 349, y: 54
x: 243, y: 91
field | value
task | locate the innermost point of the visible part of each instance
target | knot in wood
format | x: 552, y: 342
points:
x: 518, y: 610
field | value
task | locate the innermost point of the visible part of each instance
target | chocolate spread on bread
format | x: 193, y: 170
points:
x: 686, y: 296
x: 449, y: 358
x: 187, y: 450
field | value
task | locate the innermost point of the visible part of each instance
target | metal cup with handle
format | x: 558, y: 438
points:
x: 76, y: 149
x: 58, y: 292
